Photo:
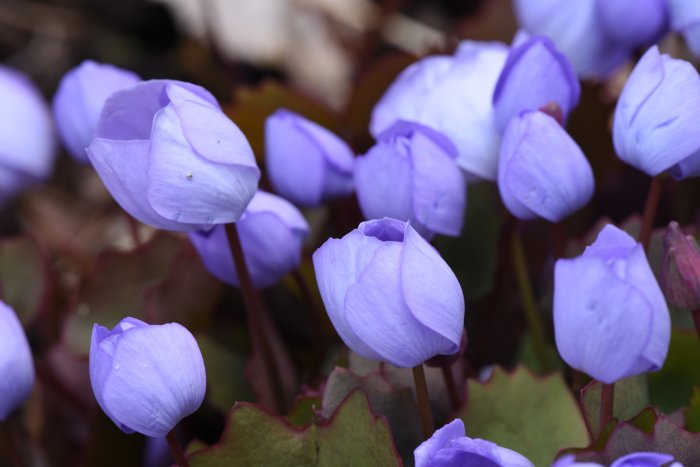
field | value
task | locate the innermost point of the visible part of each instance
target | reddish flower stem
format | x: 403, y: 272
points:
x: 176, y: 450
x: 652, y: 204
x: 423, y: 401
x: 451, y: 386
x: 607, y: 396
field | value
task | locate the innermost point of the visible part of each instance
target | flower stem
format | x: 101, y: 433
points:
x: 607, y: 396
x: 133, y: 225
x: 423, y: 401
x: 652, y: 203
x: 528, y: 301
x: 451, y: 386
x: 254, y: 311
x: 176, y: 450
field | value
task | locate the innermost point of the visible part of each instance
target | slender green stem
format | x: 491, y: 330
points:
x: 176, y: 450
x: 452, y: 392
x: 527, y: 298
x: 255, y: 312
x: 607, y: 396
x: 652, y: 204
x: 423, y: 401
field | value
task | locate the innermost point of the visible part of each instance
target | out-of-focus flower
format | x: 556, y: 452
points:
x: 16, y: 364
x: 636, y: 459
x: 389, y: 294
x: 411, y: 175
x: 451, y: 94
x: 146, y: 378
x: 577, y: 30
x: 78, y: 102
x: 680, y: 271
x: 450, y: 447
x: 542, y: 171
x: 171, y: 158
x: 27, y: 140
x: 685, y: 18
x: 306, y: 163
x: 610, y: 317
x: 657, y: 117
x: 634, y: 23
x: 271, y: 231
x: 536, y: 74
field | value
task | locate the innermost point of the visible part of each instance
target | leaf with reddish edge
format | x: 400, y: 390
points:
x: 535, y: 416
x: 115, y: 288
x: 649, y: 431
x: 353, y: 436
x: 396, y: 403
x: 252, y: 105
x: 305, y: 410
x: 631, y: 396
x: 26, y: 282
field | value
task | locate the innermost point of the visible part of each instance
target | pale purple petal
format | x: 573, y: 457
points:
x: 16, y: 363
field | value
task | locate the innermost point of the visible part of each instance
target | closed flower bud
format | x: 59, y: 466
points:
x: 146, y: 378
x: 389, y: 294
x: 575, y: 27
x: 16, y: 364
x: 27, y: 141
x: 452, y: 95
x: 634, y: 23
x: 657, y: 117
x: 271, y: 231
x: 78, y: 102
x: 171, y: 158
x: 306, y: 163
x: 542, y: 171
x: 610, y: 317
x: 680, y: 271
x: 685, y: 18
x: 411, y: 175
x: 450, y: 447
x: 536, y: 75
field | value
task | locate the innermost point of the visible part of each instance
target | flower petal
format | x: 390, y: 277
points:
x: 441, y: 439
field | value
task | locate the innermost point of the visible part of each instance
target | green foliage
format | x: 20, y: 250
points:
x: 672, y: 386
x: 631, y: 396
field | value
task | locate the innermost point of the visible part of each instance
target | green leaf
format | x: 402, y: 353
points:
x: 631, y: 396
x: 226, y: 382
x: 692, y: 412
x: 353, y: 436
x: 535, y: 416
x: 672, y: 386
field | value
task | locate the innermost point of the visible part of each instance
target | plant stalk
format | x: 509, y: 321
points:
x: 176, y: 450
x: 423, y: 401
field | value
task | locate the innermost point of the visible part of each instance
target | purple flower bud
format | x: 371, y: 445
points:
x: 634, y: 23
x: 610, y: 317
x: 411, y: 174
x: 27, y: 141
x: 306, y: 163
x: 536, y: 74
x: 146, y: 378
x: 450, y: 447
x: 452, y: 95
x: 685, y: 18
x: 16, y: 364
x: 542, y: 171
x: 271, y: 231
x: 389, y: 294
x: 78, y: 102
x: 680, y: 271
x: 171, y: 158
x: 657, y: 117
x: 576, y: 29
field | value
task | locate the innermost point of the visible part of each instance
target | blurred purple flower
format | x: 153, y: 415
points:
x: 610, y: 317
x: 389, y: 294
x: 577, y: 30
x: 658, y: 116
x: 171, y: 158
x: 272, y: 232
x: 27, y: 140
x: 411, y: 174
x: 685, y: 18
x: 450, y: 447
x: 634, y: 23
x: 306, y: 163
x: 637, y: 459
x: 542, y: 171
x: 16, y: 363
x: 79, y: 99
x: 452, y: 95
x: 536, y: 74
x: 146, y: 378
